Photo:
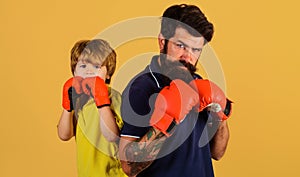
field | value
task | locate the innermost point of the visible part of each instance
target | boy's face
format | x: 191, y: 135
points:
x: 86, y: 69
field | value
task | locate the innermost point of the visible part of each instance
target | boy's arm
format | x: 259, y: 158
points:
x: 71, y: 90
x: 96, y: 87
x: 65, y: 126
x: 108, y: 125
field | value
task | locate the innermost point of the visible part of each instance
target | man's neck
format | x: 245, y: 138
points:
x: 158, y: 61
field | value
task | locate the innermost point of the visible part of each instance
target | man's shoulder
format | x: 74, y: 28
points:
x: 144, y: 81
x: 197, y: 76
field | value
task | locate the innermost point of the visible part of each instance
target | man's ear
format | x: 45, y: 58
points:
x: 161, y: 41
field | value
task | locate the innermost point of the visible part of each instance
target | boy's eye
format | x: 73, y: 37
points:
x: 82, y: 66
x: 97, y: 66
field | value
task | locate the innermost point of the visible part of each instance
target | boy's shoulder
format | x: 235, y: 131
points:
x: 115, y: 106
x: 115, y: 98
x: 113, y: 93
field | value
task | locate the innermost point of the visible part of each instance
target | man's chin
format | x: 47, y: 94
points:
x: 183, y: 68
x: 179, y: 72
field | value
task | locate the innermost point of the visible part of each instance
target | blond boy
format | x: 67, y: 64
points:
x: 92, y: 109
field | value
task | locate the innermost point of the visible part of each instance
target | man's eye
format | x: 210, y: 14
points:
x: 197, y: 50
x: 180, y: 45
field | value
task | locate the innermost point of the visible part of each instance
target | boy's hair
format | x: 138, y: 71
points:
x: 96, y: 51
x: 189, y: 17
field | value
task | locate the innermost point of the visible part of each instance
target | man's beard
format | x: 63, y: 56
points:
x: 173, y: 69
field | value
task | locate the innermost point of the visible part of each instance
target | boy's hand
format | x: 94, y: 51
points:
x: 71, y: 91
x: 95, y: 87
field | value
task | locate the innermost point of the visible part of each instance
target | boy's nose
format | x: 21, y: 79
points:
x: 89, y: 68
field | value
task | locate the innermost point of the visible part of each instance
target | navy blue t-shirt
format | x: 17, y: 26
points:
x: 184, y: 154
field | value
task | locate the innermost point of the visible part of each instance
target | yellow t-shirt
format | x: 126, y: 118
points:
x: 97, y: 157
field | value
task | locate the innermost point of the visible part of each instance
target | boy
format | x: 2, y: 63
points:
x: 91, y: 109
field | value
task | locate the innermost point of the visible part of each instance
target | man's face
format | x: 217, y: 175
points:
x: 182, y: 52
x: 184, y: 46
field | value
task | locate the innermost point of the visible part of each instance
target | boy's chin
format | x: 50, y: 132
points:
x: 89, y: 75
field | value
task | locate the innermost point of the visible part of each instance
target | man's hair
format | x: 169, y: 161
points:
x: 189, y: 17
x: 96, y: 51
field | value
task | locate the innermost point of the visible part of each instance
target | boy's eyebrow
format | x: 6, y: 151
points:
x: 83, y: 61
x: 82, y: 58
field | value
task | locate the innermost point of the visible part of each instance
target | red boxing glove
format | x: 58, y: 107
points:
x: 95, y: 87
x: 172, y: 104
x: 210, y: 95
x: 71, y: 91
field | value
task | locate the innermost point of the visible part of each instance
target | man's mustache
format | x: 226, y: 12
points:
x: 189, y: 66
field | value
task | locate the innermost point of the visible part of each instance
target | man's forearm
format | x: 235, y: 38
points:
x: 219, y: 141
x: 140, y: 154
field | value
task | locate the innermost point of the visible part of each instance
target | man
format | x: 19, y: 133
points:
x: 164, y: 132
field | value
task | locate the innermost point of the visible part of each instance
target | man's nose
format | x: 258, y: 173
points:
x: 186, y: 55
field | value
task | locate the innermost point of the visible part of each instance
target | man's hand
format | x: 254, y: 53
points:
x: 172, y: 104
x: 71, y: 91
x: 95, y: 87
x: 212, y: 97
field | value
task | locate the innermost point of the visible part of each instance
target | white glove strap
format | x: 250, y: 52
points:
x: 214, y: 107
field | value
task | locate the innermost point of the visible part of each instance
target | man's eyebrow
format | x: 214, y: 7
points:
x: 182, y: 43
x: 193, y: 48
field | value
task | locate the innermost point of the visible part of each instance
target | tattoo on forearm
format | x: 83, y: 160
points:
x: 142, y: 153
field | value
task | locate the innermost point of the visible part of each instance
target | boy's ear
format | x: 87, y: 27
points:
x: 107, y: 79
x: 161, y: 41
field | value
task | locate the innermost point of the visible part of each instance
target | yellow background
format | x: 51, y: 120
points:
x: 257, y: 43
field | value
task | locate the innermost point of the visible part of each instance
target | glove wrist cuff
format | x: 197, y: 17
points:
x: 101, y: 106
x: 102, y: 101
x: 166, y: 125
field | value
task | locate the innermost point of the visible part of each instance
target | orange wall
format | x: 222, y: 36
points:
x: 256, y: 43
